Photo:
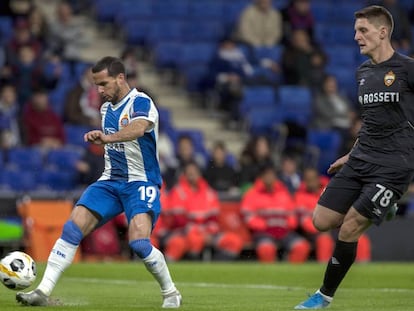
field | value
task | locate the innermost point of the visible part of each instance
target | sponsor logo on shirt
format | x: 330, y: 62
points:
x: 389, y: 78
x: 379, y: 97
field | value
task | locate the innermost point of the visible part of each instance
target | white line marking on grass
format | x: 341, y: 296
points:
x: 234, y: 286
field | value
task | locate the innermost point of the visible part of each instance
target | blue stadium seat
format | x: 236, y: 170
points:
x: 171, y: 9
x: 232, y: 10
x: 342, y: 55
x: 295, y: 103
x: 327, y: 144
x: 257, y: 97
x: 25, y: 158
x: 263, y: 121
x: 74, y: 134
x: 58, y: 180
x: 194, y: 76
x: 166, y: 54
x: 20, y: 180
x: 57, y: 99
x: 274, y: 53
x: 6, y: 29
x: 171, y: 30
x: 64, y: 159
x: 207, y: 9
x: 196, y: 54
x: 135, y: 31
x: 345, y: 75
x: 164, y: 115
x: 105, y: 10
x: 203, y: 30
x: 133, y: 10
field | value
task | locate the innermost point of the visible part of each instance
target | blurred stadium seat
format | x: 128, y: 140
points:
x: 20, y: 180
x: 64, y: 159
x: 295, y: 103
x: 323, y: 146
x: 25, y: 159
x: 74, y: 134
x: 257, y: 97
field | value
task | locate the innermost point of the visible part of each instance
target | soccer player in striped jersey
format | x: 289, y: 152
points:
x: 130, y: 183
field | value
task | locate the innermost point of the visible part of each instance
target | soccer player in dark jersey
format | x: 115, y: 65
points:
x: 377, y: 171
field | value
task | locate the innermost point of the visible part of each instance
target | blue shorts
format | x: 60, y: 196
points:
x: 108, y: 198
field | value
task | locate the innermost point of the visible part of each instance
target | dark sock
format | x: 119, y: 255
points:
x: 342, y: 259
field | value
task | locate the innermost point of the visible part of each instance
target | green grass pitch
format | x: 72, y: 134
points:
x: 226, y: 286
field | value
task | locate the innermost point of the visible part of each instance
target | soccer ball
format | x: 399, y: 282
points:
x: 17, y: 270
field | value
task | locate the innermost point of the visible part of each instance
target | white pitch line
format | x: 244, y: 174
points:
x: 234, y: 286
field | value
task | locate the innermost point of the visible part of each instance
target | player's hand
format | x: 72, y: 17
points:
x: 96, y: 137
x: 336, y: 166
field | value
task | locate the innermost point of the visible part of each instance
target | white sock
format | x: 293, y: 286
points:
x: 155, y: 263
x: 59, y: 259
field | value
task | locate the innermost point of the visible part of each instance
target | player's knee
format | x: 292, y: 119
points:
x: 141, y: 247
x: 320, y: 224
x: 71, y: 233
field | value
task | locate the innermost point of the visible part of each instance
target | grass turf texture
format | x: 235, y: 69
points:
x: 226, y: 286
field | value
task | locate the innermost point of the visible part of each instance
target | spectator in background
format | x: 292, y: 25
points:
x: 92, y: 164
x: 83, y: 103
x: 298, y: 15
x: 289, y: 173
x: 305, y: 199
x: 67, y: 37
x: 300, y: 59
x: 186, y: 152
x: 332, y: 110
x: 9, y: 117
x: 22, y: 36
x: 41, y: 126
x: 260, y: 24
x: 16, y: 9
x: 38, y: 25
x: 195, y: 208
x: 401, y: 35
x: 220, y: 174
x: 256, y: 153
x: 229, y: 71
x: 26, y: 73
x: 269, y: 213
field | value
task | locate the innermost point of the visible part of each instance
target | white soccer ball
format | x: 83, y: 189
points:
x: 17, y: 270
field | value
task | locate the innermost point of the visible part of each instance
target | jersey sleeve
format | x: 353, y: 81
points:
x: 144, y: 108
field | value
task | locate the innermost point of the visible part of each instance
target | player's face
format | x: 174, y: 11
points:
x: 367, y: 35
x: 108, y: 87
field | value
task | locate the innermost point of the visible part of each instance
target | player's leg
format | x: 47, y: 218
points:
x: 142, y: 207
x: 139, y: 235
x: 80, y: 224
x: 96, y: 205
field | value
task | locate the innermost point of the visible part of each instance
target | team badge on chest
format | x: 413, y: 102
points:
x: 389, y: 78
x: 124, y: 121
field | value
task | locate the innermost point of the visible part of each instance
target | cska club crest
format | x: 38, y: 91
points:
x: 389, y: 78
x: 124, y: 121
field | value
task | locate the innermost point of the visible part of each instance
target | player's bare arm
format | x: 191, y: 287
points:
x: 132, y: 131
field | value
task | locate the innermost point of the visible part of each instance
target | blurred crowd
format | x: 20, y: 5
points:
x: 46, y: 87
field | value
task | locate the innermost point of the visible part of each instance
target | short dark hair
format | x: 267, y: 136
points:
x: 378, y: 15
x: 114, y: 65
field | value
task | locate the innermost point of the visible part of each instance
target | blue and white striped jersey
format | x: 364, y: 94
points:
x: 135, y: 160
